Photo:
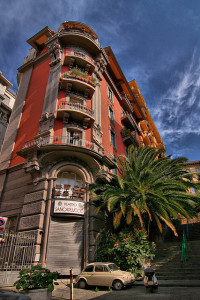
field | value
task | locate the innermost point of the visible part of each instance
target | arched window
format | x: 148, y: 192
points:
x: 69, y: 185
x: 69, y: 178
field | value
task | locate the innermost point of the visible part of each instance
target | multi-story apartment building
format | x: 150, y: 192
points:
x: 74, y: 112
x: 7, y: 100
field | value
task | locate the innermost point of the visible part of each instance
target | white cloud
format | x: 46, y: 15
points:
x: 177, y: 113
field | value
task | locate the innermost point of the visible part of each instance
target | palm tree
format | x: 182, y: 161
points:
x: 149, y: 188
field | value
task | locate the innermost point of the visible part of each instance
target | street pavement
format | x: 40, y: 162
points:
x: 167, y: 290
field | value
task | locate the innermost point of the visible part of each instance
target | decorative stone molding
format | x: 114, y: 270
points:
x: 86, y: 93
x: 100, y: 63
x: 31, y: 55
x: 85, y: 122
x: 97, y: 134
x: 54, y: 51
x: 32, y: 166
x: 46, y: 122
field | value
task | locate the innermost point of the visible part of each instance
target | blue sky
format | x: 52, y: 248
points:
x: 156, y: 42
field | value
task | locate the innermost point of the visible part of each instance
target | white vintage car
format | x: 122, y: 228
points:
x: 104, y: 274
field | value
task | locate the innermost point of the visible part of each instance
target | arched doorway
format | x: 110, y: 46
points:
x: 66, y: 229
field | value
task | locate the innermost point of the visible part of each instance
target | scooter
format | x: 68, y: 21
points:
x: 150, y: 280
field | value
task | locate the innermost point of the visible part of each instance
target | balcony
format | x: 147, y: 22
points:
x: 77, y: 112
x: 144, y: 125
x: 129, y: 137
x: 146, y: 139
x: 78, y: 81
x: 128, y: 121
x: 72, y: 143
x: 126, y: 103
x: 152, y: 139
x: 81, y: 36
x: 79, y: 58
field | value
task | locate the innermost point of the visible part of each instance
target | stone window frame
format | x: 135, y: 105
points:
x: 110, y: 93
x: 113, y: 142
x: 111, y: 114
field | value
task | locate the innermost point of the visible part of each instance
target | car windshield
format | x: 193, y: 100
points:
x: 113, y: 267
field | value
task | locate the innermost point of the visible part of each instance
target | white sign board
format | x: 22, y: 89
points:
x: 69, y: 207
x: 3, y: 221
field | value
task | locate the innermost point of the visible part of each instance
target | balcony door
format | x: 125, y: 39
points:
x: 74, y: 137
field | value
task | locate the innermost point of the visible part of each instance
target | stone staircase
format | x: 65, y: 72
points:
x: 167, y: 262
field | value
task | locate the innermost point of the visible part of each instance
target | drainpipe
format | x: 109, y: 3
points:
x: 46, y: 224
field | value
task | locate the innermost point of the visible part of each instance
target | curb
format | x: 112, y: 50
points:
x: 178, y: 283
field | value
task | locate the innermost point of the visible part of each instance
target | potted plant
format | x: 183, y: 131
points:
x: 67, y: 186
x: 77, y: 136
x: 75, y: 194
x: 83, y: 189
x: 58, y: 186
x: 37, y: 282
x: 76, y: 188
x: 57, y: 193
x: 125, y: 131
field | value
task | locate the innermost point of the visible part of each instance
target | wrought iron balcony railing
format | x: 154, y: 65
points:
x: 63, y: 105
x: 64, y: 140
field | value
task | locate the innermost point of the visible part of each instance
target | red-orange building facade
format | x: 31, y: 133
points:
x: 74, y: 113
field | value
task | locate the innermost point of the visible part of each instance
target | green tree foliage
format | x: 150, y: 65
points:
x: 129, y: 250
x: 149, y: 189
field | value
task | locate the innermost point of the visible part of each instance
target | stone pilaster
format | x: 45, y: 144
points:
x: 51, y: 95
x: 32, y: 216
x: 15, y: 120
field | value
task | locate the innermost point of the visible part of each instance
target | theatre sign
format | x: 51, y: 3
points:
x: 69, y: 207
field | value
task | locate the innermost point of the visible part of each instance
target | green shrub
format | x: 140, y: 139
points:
x: 129, y: 250
x: 36, y: 278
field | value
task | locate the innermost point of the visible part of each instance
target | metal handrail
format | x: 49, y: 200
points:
x: 63, y: 105
x: 64, y: 140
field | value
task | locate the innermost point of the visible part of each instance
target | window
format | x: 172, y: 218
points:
x: 101, y: 268
x: 112, y: 138
x: 69, y: 178
x: 111, y: 114
x: 198, y: 170
x: 3, y: 117
x: 66, y: 183
x: 74, y: 137
x: 89, y: 269
x: 110, y: 93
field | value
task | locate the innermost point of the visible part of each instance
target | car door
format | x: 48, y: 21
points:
x: 88, y: 274
x: 102, y: 276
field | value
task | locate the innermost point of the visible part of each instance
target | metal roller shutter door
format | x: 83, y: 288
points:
x: 65, y: 246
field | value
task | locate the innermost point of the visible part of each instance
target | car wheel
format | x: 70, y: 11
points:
x: 117, y: 285
x: 82, y: 284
